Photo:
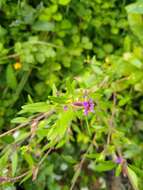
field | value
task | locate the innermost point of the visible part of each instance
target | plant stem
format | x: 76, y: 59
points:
x: 88, y: 127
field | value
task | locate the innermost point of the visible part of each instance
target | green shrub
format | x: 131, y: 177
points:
x: 58, y: 58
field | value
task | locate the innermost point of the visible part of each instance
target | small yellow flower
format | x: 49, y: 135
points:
x: 17, y: 66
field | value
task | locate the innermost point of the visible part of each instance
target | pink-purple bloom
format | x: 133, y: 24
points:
x: 119, y: 160
x: 88, y: 106
x: 65, y: 108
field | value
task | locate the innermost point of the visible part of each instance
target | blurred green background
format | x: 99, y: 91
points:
x: 45, y: 43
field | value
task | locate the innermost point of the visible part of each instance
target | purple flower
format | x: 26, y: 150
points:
x: 65, y: 108
x: 119, y: 160
x: 88, y: 106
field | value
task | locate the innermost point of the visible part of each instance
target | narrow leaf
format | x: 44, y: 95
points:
x: 133, y: 178
x: 10, y: 77
x: 14, y: 162
x: 105, y: 166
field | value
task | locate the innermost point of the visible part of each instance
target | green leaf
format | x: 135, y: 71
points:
x: 50, y: 52
x: 20, y: 86
x: 10, y: 77
x: 64, y: 2
x: 14, y: 159
x: 70, y: 86
x: 137, y: 63
x: 58, y: 99
x: 43, y: 26
x: 136, y: 25
x: 104, y: 166
x: 22, y: 136
x: 28, y: 159
x: 19, y: 120
x: 4, y: 159
x: 40, y: 57
x: 99, y: 128
x: 118, y: 170
x: 61, y: 143
x: 137, y: 170
x: 135, y: 8
x: 54, y: 90
x: 69, y: 159
x: 133, y: 178
x: 92, y: 155
x: 58, y: 130
x: 8, y: 139
x: 35, y: 108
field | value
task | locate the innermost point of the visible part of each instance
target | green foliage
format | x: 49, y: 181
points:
x: 135, y: 14
x: 133, y: 177
x: 58, y: 58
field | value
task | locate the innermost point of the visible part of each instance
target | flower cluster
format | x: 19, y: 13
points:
x: 87, y: 105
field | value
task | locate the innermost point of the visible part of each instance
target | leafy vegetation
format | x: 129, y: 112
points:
x: 71, y: 94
